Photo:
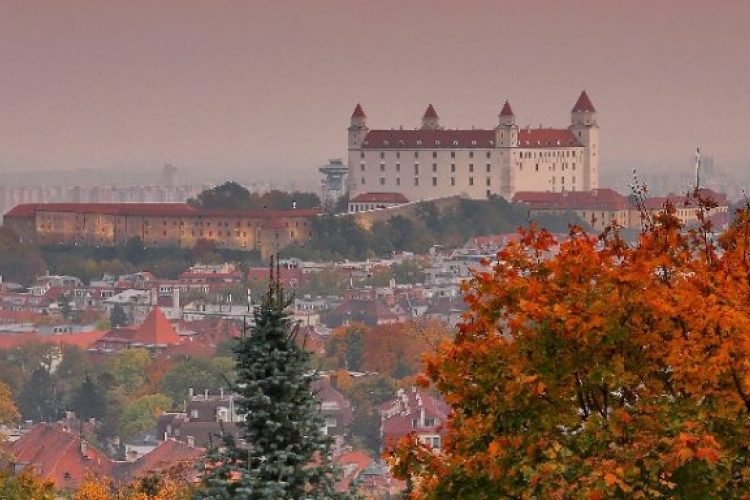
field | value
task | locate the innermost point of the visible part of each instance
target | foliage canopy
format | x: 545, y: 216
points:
x: 599, y: 369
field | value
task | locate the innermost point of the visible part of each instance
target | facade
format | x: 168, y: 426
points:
x: 434, y: 162
x: 160, y: 224
x: 416, y: 411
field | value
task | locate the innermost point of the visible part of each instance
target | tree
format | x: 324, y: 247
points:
x: 89, y: 400
x: 286, y: 455
x: 118, y: 317
x: 39, y: 400
x: 227, y: 196
x: 602, y: 370
x: 140, y: 414
x: 197, y: 373
x: 26, y: 486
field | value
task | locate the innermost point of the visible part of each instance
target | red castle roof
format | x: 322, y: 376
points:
x: 430, y: 112
x: 507, y: 110
x: 446, y: 139
x: 359, y: 112
x: 584, y: 104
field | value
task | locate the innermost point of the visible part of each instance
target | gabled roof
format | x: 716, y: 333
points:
x: 167, y: 454
x: 156, y: 330
x: 430, y: 112
x: 58, y: 454
x: 359, y: 112
x: 379, y: 198
x: 584, y: 104
x: 507, y: 110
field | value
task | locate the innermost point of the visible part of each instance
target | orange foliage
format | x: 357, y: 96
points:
x: 599, y: 369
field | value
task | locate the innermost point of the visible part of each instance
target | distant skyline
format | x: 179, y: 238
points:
x: 265, y: 88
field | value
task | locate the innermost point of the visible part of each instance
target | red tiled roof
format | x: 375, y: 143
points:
x: 547, y: 137
x: 83, y: 340
x: 430, y: 112
x: 151, y: 210
x: 446, y: 139
x: 597, y: 199
x: 681, y: 201
x: 359, y: 112
x: 167, y: 454
x: 156, y: 330
x: 379, y: 198
x: 584, y: 104
x: 506, y: 111
x: 57, y: 454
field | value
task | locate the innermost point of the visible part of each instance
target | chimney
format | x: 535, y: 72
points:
x: 191, y: 441
x: 176, y: 309
x: 191, y: 393
x: 84, y: 448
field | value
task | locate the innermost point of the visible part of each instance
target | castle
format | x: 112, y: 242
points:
x: 434, y: 162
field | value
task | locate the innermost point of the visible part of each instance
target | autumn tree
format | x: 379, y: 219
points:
x: 594, y: 368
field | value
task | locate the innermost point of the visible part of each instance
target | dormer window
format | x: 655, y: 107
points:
x: 492, y: 143
x: 419, y: 143
x: 455, y: 143
x: 474, y: 143
x: 437, y: 143
x: 386, y: 143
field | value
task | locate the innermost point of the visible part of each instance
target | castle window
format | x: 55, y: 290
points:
x: 453, y: 168
x: 362, y: 154
x: 416, y: 153
x: 437, y: 143
x: 419, y: 143
x: 398, y: 167
x: 382, y: 155
x: 489, y: 168
x: 398, y: 181
x: 416, y: 181
x: 453, y: 153
x: 382, y: 181
x: 471, y: 154
x: 362, y: 180
x: 362, y: 167
x: 562, y: 180
x: 453, y: 181
x: 416, y: 169
x: 471, y: 181
x: 471, y: 167
x: 434, y: 167
x: 382, y: 167
x: 434, y: 153
x: 488, y: 155
x: 398, y: 154
x: 574, y: 180
x: 434, y: 181
x: 537, y: 167
x: 489, y: 183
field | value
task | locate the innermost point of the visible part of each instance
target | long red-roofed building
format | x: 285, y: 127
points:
x: 160, y: 224
x: 432, y: 161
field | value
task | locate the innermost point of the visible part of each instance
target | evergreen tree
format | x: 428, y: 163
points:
x: 286, y: 456
x: 118, y: 317
x: 89, y: 401
x: 39, y: 401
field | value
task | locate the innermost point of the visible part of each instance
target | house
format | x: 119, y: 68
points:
x: 414, y: 410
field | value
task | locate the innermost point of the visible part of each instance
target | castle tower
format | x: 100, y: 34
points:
x: 358, y: 128
x: 507, y: 131
x: 430, y: 120
x: 586, y: 131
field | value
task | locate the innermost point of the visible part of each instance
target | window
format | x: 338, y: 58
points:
x: 471, y: 181
x: 434, y: 181
x: 416, y: 153
x: 416, y: 181
x: 453, y: 181
x: 434, y: 167
x: 416, y: 169
x: 382, y: 181
x: 382, y: 167
x: 362, y: 154
x: 398, y: 154
x: 434, y: 153
x: 537, y: 167
x: 489, y: 168
x: 398, y: 167
x: 398, y: 181
x: 471, y: 154
x: 453, y: 153
x: 471, y: 167
x: 362, y: 167
x: 489, y: 181
x: 453, y: 168
x: 382, y: 155
x: 362, y: 180
x: 488, y: 155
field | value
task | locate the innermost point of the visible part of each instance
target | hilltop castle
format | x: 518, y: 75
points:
x: 433, y: 161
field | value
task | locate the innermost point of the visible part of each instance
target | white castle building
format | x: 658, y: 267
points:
x: 433, y: 161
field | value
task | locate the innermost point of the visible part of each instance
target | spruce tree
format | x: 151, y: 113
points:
x: 285, y: 454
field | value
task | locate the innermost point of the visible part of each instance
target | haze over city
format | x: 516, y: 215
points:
x: 264, y: 89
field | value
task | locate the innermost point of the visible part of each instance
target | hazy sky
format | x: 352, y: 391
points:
x: 268, y: 86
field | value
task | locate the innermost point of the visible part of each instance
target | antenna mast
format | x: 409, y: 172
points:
x: 697, y: 168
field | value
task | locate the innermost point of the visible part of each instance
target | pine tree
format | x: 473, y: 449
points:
x: 89, y: 400
x: 287, y: 455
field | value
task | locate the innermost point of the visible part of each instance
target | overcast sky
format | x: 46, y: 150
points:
x: 268, y: 86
